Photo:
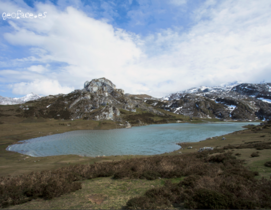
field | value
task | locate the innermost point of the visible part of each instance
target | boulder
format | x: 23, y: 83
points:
x: 127, y: 125
x: 205, y: 148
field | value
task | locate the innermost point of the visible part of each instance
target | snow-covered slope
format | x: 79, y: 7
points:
x: 235, y: 89
x: 10, y: 101
x: 238, y: 101
x: 203, y: 90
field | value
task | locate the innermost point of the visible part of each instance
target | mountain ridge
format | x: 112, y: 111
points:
x: 101, y: 100
x: 242, y: 101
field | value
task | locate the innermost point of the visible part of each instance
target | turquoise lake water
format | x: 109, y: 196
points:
x: 145, y: 140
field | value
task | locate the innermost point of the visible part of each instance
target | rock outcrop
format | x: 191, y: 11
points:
x: 101, y: 85
x: 98, y: 100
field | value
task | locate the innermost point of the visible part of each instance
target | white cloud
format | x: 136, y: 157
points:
x: 8, y: 7
x: 38, y: 68
x: 26, y: 37
x: 43, y: 87
x: 229, y: 41
x: 16, y: 76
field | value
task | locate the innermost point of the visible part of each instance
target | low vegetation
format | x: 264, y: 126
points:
x: 222, y: 182
x: 213, y: 179
x: 257, y: 145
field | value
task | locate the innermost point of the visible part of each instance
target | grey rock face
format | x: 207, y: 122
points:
x: 99, y: 86
x: 108, y: 113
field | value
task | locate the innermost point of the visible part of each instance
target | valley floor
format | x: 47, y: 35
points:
x: 103, y: 193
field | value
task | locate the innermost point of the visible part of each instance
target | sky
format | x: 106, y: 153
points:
x: 154, y: 47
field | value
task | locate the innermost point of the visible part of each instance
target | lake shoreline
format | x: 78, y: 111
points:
x: 184, y: 144
x: 191, y: 122
x: 15, y: 163
x: 181, y: 144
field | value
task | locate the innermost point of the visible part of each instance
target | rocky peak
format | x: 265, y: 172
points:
x: 99, y: 85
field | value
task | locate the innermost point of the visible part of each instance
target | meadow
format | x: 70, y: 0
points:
x: 235, y: 175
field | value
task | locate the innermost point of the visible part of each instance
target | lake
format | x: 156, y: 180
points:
x: 144, y: 140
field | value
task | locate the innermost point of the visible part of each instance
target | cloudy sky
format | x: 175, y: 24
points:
x: 143, y: 46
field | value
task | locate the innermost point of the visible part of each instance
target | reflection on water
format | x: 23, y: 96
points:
x: 145, y: 140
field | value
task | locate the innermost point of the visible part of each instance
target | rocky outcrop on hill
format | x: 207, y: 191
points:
x: 98, y: 100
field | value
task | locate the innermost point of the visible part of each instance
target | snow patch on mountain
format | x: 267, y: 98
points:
x: 231, y: 107
x: 178, y: 109
x: 265, y: 100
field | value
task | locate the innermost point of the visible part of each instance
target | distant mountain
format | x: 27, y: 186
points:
x: 237, y: 101
x: 201, y: 90
x: 11, y: 101
x: 231, y: 90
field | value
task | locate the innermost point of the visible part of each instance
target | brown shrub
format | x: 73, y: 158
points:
x: 268, y: 164
x: 222, y: 176
x: 234, y: 187
x: 208, y: 199
x: 255, y: 154
x: 24, y: 188
x: 229, y: 147
x: 221, y: 158
x: 261, y: 146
